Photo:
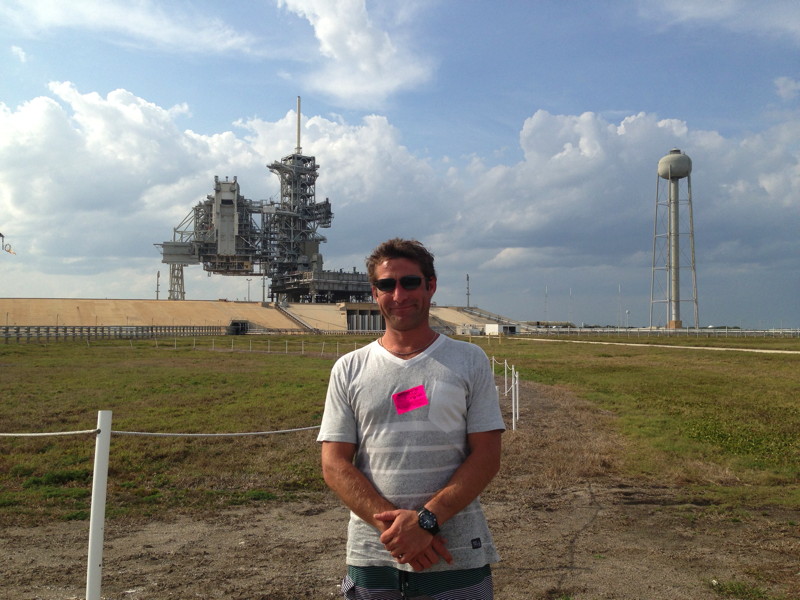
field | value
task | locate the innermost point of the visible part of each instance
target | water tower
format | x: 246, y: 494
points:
x: 673, y: 191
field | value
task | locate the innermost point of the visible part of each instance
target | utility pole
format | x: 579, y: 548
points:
x: 545, y: 306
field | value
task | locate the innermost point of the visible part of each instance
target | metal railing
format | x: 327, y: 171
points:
x: 645, y: 332
x: 55, y: 333
x: 97, y: 510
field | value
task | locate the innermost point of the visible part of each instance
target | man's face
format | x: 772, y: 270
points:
x: 404, y: 310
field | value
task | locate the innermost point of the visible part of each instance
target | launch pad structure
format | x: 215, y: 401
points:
x: 232, y: 235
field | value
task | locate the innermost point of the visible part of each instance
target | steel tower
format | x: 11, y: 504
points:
x: 232, y: 235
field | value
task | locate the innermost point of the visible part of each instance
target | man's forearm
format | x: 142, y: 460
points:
x: 354, y: 489
x: 470, y: 479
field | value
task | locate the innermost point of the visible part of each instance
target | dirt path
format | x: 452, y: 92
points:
x: 565, y: 524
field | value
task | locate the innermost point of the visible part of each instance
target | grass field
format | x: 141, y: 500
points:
x: 724, y: 425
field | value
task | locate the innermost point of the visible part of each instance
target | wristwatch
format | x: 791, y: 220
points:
x: 427, y: 520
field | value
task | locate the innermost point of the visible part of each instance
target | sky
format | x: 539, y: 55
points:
x: 519, y: 141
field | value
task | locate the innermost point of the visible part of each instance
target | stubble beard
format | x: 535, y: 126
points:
x: 409, y: 321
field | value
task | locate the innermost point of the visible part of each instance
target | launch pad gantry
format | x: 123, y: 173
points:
x: 231, y: 235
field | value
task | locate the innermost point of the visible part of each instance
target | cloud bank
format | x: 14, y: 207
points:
x: 573, y: 216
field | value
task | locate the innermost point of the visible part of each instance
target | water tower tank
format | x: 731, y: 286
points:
x: 674, y: 165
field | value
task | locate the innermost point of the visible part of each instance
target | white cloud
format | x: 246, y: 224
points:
x: 144, y: 22
x: 19, y: 53
x: 102, y: 177
x: 787, y: 88
x: 775, y: 18
x: 361, y: 60
x: 362, y: 63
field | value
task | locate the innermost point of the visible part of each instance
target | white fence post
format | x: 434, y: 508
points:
x: 94, y: 570
x: 513, y: 402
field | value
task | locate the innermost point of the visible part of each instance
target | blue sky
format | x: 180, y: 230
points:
x: 518, y: 140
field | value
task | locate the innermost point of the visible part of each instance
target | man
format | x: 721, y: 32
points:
x: 410, y: 437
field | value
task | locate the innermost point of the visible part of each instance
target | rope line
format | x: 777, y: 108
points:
x: 85, y: 432
x: 142, y: 433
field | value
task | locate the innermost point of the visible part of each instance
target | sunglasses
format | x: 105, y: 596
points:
x: 407, y: 282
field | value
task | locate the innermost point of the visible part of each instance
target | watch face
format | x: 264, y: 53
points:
x: 427, y: 519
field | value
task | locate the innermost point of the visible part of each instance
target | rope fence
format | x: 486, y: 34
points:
x: 513, y: 388
x: 152, y: 434
x: 52, y: 433
x: 196, y: 435
x: 103, y: 432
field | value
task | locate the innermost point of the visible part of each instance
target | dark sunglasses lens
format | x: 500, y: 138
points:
x: 386, y: 285
x: 410, y: 282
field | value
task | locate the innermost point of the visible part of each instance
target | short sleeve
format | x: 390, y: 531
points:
x: 338, y: 418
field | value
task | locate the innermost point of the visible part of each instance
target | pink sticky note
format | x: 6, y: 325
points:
x: 410, y: 399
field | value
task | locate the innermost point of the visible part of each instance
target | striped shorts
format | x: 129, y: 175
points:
x: 388, y: 583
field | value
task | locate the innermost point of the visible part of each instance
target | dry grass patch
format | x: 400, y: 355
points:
x: 560, y: 441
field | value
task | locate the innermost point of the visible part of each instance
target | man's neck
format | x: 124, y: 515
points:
x: 408, y: 343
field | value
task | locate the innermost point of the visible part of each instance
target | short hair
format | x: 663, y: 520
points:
x: 400, y: 248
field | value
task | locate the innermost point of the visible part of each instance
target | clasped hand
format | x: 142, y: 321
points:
x: 408, y: 543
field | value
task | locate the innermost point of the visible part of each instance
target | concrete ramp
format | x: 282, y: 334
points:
x: 85, y: 312
x: 456, y: 317
x: 81, y: 312
x: 326, y: 317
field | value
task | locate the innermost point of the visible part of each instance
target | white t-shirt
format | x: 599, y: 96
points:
x: 410, y: 420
